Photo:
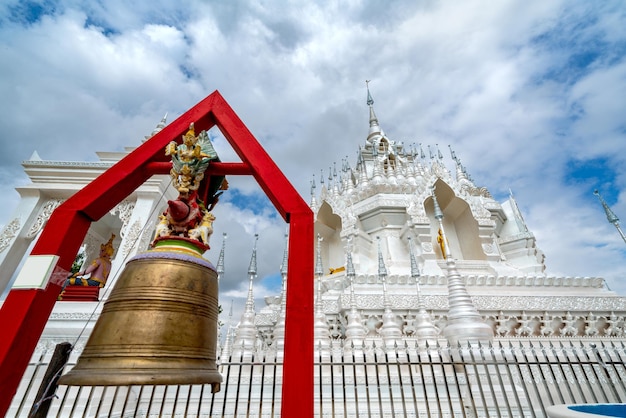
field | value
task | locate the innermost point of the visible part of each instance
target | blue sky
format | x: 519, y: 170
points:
x: 531, y: 96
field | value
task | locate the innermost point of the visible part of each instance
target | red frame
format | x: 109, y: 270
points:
x: 25, y: 311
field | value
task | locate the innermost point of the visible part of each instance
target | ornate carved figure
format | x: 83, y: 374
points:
x: 187, y: 217
x: 569, y: 328
x: 524, y: 328
x: 97, y: 272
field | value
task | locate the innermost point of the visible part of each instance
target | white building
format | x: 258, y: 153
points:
x: 432, y: 300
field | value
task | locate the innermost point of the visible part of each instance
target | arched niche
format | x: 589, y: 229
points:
x: 328, y: 225
x: 460, y: 225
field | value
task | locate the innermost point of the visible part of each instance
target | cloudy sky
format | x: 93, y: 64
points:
x: 530, y: 94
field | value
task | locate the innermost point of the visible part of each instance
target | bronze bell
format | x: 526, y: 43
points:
x: 158, y: 326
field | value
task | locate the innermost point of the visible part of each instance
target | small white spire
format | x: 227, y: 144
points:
x: 355, y: 330
x: 610, y: 215
x: 251, y: 276
x: 322, y: 334
x: 390, y: 329
x: 252, y: 267
x: 374, y: 126
x: 220, y: 260
x: 245, y: 343
x: 425, y: 330
x: 158, y: 128
x: 465, y: 324
x: 279, y: 327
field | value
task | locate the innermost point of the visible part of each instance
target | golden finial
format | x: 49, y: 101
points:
x: 107, y: 249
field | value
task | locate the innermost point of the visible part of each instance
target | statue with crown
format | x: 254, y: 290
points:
x: 187, y: 219
x: 158, y: 326
x: 97, y: 273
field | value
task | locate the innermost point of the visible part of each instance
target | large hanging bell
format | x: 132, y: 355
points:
x: 158, y: 326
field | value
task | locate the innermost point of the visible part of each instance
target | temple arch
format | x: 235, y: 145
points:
x: 328, y: 224
x: 460, y: 225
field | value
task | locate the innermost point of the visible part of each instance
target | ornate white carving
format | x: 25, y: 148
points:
x: 488, y: 248
x: 43, y: 217
x: 427, y: 247
x: 125, y: 210
x: 92, y: 247
x: 8, y: 233
x: 132, y: 237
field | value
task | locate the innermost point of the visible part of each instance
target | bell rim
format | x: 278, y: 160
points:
x: 139, y: 377
x: 173, y: 255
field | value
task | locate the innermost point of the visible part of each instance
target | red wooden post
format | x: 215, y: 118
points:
x: 25, y: 312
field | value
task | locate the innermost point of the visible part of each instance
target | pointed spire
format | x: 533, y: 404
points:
x: 382, y: 270
x: 158, y: 128
x: 220, y: 260
x: 425, y: 329
x: 245, y: 342
x: 355, y: 330
x: 322, y: 334
x: 319, y: 270
x: 390, y: 329
x: 465, y: 324
x: 228, y: 342
x: 610, y: 215
x: 374, y: 126
x: 452, y: 153
x: 283, y: 265
x: 517, y: 213
x: 313, y: 204
x: 460, y: 171
x: 279, y: 328
x: 252, y: 267
x: 415, y: 272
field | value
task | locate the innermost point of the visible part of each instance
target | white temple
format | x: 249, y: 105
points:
x: 431, y: 300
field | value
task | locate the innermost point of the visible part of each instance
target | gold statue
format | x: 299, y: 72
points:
x: 442, y: 243
x: 98, y: 271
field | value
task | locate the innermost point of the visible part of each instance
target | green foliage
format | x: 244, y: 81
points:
x: 78, y: 262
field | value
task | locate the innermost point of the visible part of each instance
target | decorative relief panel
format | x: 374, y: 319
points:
x: 131, y: 238
x: 8, y: 233
x: 489, y: 248
x: 125, y: 211
x: 43, y: 217
x: 490, y: 303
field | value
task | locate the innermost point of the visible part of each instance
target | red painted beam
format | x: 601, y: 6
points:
x: 297, y: 394
x: 215, y: 169
x: 25, y: 311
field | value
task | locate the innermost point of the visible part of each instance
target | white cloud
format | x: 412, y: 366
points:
x: 500, y: 82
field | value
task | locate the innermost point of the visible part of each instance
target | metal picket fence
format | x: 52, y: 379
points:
x: 508, y: 378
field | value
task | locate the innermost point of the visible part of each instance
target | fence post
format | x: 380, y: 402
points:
x: 48, y: 386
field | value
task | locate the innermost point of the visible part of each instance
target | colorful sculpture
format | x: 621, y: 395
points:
x: 98, y: 271
x: 187, y: 217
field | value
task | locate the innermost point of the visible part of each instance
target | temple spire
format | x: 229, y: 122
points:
x: 610, y: 215
x: 245, y: 342
x: 322, y: 334
x: 220, y: 260
x: 313, y: 204
x: 355, y: 330
x: 279, y: 328
x: 390, y: 329
x: 424, y: 327
x: 465, y: 324
x: 374, y: 126
x: 158, y: 128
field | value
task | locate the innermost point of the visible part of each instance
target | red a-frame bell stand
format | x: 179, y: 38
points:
x: 26, y: 311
